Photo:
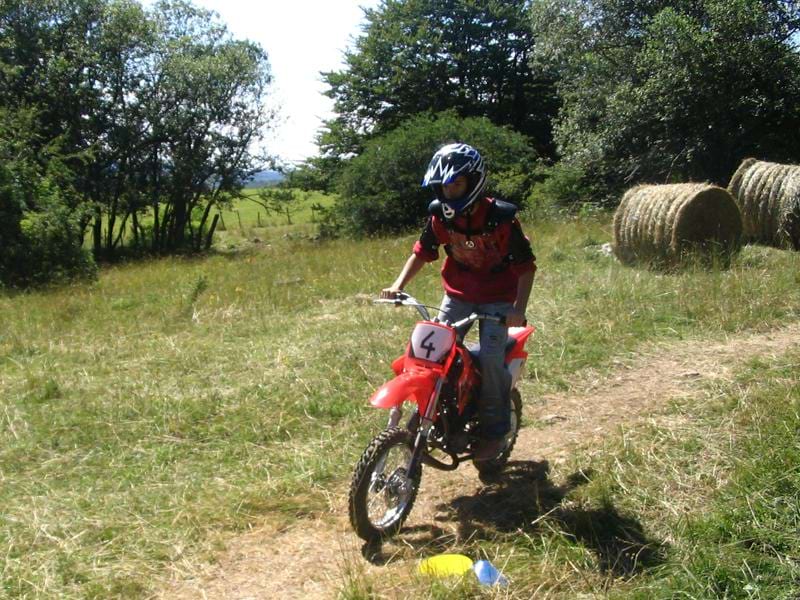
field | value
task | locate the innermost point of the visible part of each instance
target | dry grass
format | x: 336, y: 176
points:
x: 163, y: 408
x: 768, y: 196
x: 664, y: 224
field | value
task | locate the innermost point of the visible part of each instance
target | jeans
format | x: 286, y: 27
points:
x: 494, y: 409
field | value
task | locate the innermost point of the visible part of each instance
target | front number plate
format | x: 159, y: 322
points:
x: 432, y: 342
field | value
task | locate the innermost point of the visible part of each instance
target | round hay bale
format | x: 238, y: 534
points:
x: 663, y: 224
x: 768, y: 196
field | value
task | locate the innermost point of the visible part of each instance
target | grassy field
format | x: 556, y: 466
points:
x: 147, y: 416
x: 245, y: 222
x: 247, y: 214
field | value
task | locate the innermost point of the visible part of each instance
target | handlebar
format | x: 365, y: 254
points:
x: 398, y: 300
x: 403, y: 299
x: 479, y: 317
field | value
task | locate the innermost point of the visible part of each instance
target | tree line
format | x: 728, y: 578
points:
x: 604, y: 93
x: 119, y: 126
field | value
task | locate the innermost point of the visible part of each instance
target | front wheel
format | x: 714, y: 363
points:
x: 490, y: 467
x: 382, y: 492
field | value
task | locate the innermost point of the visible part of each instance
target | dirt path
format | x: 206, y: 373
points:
x: 312, y: 559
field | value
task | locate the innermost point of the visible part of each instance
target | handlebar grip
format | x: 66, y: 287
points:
x: 398, y: 299
x: 394, y: 301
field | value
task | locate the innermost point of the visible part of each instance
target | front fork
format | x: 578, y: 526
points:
x: 394, y: 417
x: 426, y: 422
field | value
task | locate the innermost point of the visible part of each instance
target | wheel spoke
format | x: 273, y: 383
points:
x: 384, y: 504
x: 382, y: 492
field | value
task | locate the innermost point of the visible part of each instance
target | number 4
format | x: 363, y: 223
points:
x: 427, y: 346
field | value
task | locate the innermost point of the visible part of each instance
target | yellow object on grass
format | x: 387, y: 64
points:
x: 445, y: 565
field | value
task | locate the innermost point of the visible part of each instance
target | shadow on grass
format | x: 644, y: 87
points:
x: 522, y: 499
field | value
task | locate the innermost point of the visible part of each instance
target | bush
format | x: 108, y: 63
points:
x: 40, y: 239
x: 565, y: 186
x: 47, y: 245
x: 381, y: 188
x: 40, y: 215
x: 53, y: 252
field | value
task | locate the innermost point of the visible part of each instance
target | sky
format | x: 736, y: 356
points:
x: 302, y: 38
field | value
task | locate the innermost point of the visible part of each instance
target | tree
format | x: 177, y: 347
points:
x: 204, y: 107
x: 670, y: 91
x: 433, y: 55
x: 152, y: 111
x: 44, y: 56
x: 380, y: 189
x: 45, y: 60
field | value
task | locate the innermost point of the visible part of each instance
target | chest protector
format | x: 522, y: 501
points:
x: 485, y: 248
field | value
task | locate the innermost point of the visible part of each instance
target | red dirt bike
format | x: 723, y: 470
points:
x: 439, y: 375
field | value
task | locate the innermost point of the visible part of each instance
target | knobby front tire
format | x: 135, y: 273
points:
x: 381, y: 492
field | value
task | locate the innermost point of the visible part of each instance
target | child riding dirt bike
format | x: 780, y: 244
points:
x: 489, y: 269
x: 438, y: 377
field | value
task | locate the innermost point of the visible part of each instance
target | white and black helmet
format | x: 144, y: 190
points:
x: 447, y: 164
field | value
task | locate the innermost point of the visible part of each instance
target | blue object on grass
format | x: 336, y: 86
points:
x: 488, y: 574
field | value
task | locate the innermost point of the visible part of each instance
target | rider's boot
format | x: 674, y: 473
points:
x: 489, y: 449
x: 495, y: 424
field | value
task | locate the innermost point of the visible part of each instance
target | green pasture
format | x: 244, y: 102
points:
x: 246, y: 219
x: 147, y: 417
x: 246, y: 213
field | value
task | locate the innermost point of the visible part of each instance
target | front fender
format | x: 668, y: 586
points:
x: 415, y: 385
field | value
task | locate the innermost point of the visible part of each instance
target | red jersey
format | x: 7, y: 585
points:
x: 486, y: 252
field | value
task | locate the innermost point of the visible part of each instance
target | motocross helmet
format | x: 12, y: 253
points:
x: 447, y: 164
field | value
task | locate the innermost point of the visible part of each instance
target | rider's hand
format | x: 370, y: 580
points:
x: 515, y: 318
x: 390, y: 293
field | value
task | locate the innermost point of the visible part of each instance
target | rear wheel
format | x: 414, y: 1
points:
x: 382, y: 493
x: 490, y: 467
